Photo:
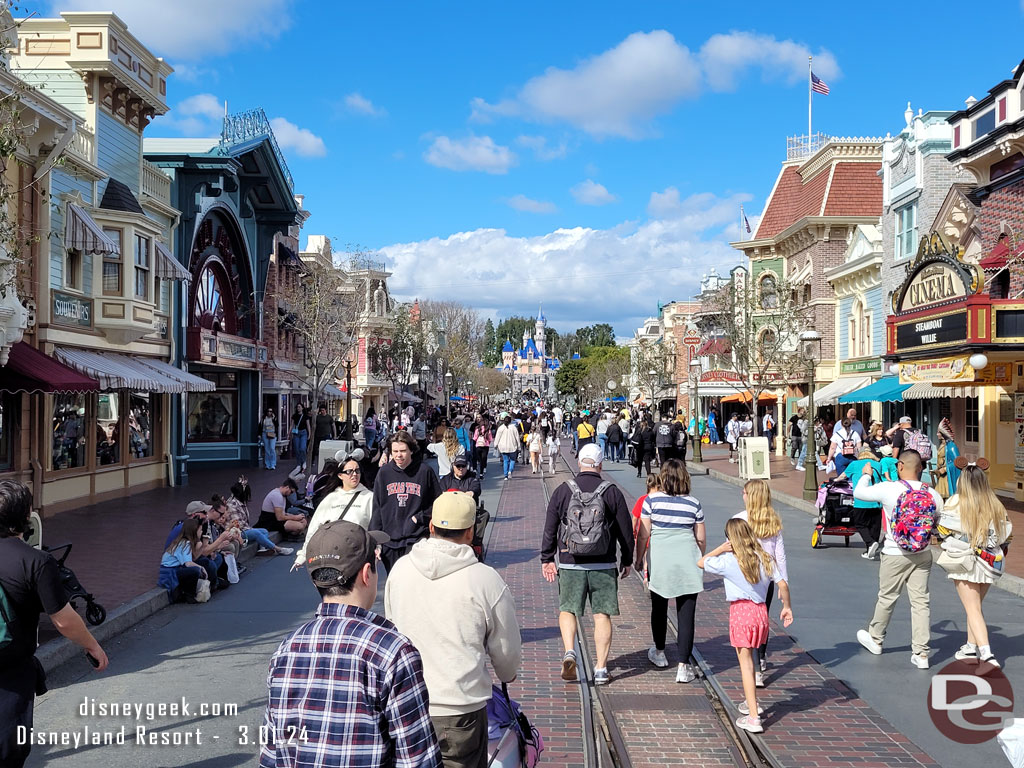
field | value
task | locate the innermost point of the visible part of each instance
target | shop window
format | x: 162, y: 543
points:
x: 68, y: 431
x: 984, y: 124
x: 142, y: 267
x: 971, y: 419
x: 112, y: 263
x: 865, y: 334
x: 73, y: 270
x: 769, y: 292
x: 143, y: 415
x: 212, y: 416
x: 906, y: 231
x: 108, y: 429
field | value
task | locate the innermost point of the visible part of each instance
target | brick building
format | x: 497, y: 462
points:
x: 805, y: 230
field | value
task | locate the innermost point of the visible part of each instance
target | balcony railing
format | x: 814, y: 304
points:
x: 155, y: 183
x: 83, y: 145
x: 802, y: 147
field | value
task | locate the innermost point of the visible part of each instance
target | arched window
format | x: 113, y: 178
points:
x: 769, y: 291
x: 766, y: 343
x: 853, y: 338
x: 213, y: 306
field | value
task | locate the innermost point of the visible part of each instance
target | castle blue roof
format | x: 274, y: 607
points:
x: 575, y: 355
x: 530, y: 347
x: 507, y: 347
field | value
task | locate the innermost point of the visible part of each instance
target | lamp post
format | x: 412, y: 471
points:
x: 810, y: 350
x: 695, y: 407
x: 424, y: 379
x: 447, y: 395
x: 349, y: 365
x: 652, y: 376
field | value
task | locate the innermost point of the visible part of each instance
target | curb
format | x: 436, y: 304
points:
x: 1007, y: 582
x: 60, y: 650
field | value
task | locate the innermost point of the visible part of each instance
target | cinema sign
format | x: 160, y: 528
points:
x: 938, y: 276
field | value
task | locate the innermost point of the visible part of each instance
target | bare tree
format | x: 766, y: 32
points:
x: 653, y: 366
x: 761, y: 323
x: 454, y: 337
x: 323, y: 308
x: 397, y: 359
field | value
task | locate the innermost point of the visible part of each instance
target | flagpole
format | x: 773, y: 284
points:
x: 742, y: 236
x: 810, y: 100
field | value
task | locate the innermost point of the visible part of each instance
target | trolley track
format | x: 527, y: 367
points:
x: 604, y: 743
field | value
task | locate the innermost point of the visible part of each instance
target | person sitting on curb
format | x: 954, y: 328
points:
x: 900, y: 568
x: 459, y: 614
x: 238, y: 517
x: 273, y: 515
x: 364, y: 676
x: 587, y: 569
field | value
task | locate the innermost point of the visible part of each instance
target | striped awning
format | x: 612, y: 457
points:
x: 926, y: 391
x: 83, y: 234
x: 192, y: 382
x: 115, y: 371
x: 831, y: 392
x: 166, y: 267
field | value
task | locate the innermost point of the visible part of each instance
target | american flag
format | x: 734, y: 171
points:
x: 746, y: 223
x: 818, y: 85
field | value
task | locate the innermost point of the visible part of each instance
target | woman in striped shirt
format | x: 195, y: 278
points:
x: 673, y: 522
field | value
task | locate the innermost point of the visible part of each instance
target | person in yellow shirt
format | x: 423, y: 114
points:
x: 585, y: 432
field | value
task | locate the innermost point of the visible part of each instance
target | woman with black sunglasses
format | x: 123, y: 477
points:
x: 345, y: 499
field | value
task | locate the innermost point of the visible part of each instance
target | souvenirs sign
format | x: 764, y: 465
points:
x: 71, y: 310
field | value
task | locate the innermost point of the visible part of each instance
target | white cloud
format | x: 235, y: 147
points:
x: 620, y: 91
x: 727, y: 56
x: 199, y: 115
x: 356, y: 102
x: 302, y: 140
x: 194, y: 29
x: 612, y: 94
x: 589, y: 192
x: 661, y: 259
x: 529, y: 205
x: 474, y: 153
x: 542, y: 150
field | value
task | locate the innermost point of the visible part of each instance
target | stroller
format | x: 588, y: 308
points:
x: 835, y: 512
x: 95, y: 613
x: 512, y: 741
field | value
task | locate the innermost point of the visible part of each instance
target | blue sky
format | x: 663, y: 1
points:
x: 590, y: 155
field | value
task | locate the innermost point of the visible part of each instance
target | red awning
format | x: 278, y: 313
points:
x: 716, y: 346
x: 29, y: 370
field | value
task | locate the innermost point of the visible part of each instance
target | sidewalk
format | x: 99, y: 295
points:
x: 117, y: 544
x: 787, y: 481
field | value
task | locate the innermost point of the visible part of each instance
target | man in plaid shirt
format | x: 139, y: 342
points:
x: 346, y: 689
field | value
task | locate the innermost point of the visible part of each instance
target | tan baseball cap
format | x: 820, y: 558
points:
x: 454, y: 510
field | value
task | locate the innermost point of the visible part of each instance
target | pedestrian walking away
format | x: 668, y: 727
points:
x: 403, y: 494
x: 30, y: 584
x: 767, y: 527
x: 506, y: 440
x: 673, y: 522
x: 906, y: 559
x: 269, y: 437
x: 461, y: 616
x: 366, y: 678
x: 586, y: 523
x: 975, y: 529
x: 324, y: 428
x: 300, y: 436
x: 747, y: 570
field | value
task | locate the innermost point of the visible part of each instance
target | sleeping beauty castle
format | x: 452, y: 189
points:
x: 530, y: 368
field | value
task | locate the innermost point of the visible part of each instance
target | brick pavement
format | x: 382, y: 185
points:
x: 786, y: 480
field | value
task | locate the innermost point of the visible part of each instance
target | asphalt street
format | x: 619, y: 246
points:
x: 216, y: 654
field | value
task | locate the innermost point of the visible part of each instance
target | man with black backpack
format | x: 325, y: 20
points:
x: 586, y: 518
x: 910, y: 510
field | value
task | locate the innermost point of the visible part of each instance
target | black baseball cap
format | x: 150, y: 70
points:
x: 460, y: 461
x: 344, y: 547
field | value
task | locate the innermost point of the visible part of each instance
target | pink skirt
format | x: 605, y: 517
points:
x: 748, y: 624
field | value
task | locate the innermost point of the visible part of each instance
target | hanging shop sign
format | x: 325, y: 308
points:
x: 944, y: 370
x: 1018, y: 443
x: 861, y: 366
x: 71, y: 310
x: 937, y: 276
x: 931, y: 331
x: 726, y: 376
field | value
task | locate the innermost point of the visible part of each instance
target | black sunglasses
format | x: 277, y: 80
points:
x: 351, y: 471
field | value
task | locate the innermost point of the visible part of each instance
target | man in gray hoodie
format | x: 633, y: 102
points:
x: 458, y: 613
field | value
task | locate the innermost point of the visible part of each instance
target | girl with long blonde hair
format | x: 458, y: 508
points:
x: 747, y: 569
x: 974, y: 518
x: 446, y: 450
x: 767, y: 527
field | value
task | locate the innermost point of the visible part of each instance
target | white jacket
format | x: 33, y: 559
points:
x: 458, y: 613
x: 506, y: 439
x: 331, y: 509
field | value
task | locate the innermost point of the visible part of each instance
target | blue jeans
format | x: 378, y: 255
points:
x: 714, y: 435
x: 260, y: 536
x: 270, y: 452
x: 803, y: 455
x: 602, y: 440
x: 299, y: 443
x: 371, y: 437
x: 508, y: 463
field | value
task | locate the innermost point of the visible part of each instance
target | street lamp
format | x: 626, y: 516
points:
x: 695, y: 406
x: 810, y: 350
x: 652, y: 376
x: 447, y: 394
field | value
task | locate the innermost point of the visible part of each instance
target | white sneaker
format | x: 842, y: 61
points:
x: 763, y: 663
x: 750, y: 724
x: 759, y: 680
x: 918, y: 660
x: 685, y: 674
x: 865, y: 639
x: 801, y: 468
x: 989, y: 658
x: 745, y: 710
x: 872, y: 552
x: 657, y: 658
x: 966, y: 651
x: 284, y: 550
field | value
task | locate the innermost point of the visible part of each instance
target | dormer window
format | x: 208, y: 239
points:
x: 985, y: 124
